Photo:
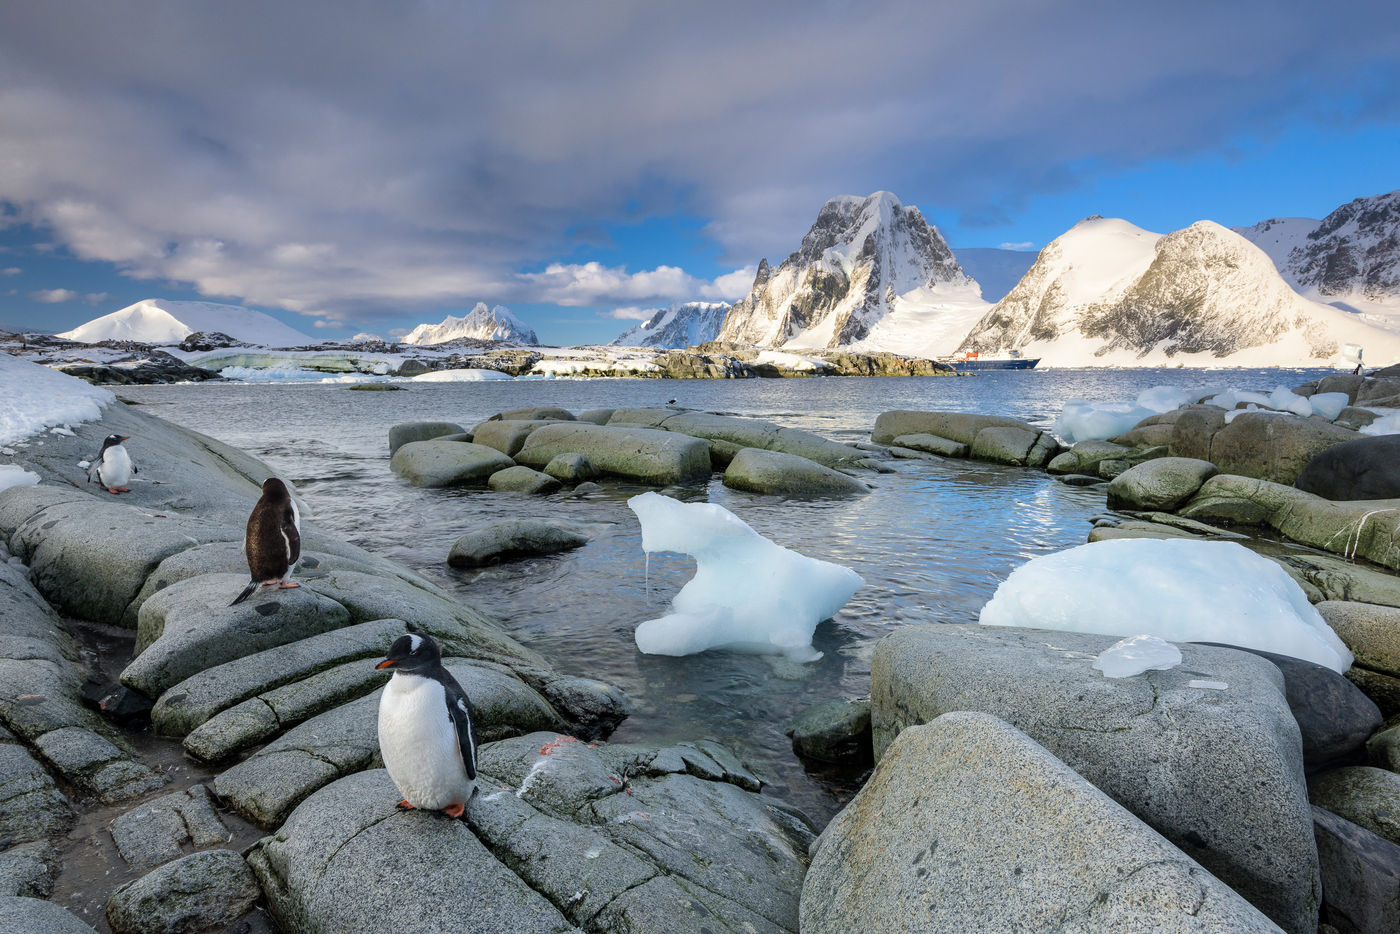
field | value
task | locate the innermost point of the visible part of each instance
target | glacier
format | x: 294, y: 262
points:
x: 1177, y: 590
x: 748, y: 594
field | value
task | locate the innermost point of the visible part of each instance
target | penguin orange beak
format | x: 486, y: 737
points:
x: 387, y: 663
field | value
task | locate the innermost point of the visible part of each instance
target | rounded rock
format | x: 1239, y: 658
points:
x: 771, y: 472
x: 199, y: 891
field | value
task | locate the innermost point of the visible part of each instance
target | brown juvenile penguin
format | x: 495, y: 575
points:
x: 273, y: 542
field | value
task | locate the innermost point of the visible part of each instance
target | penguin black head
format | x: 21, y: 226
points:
x: 112, y: 440
x: 413, y: 654
x: 275, y: 489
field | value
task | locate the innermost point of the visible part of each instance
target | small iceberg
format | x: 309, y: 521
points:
x: 748, y: 593
x: 1136, y: 654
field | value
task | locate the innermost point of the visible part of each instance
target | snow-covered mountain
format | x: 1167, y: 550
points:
x: 1350, y: 258
x: 870, y: 274
x: 484, y: 324
x: 157, y: 321
x: 682, y: 325
x: 1107, y: 293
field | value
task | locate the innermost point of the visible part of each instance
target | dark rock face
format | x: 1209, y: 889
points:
x: 1367, y: 468
x: 157, y: 367
x: 680, y: 325
x: 1356, y: 248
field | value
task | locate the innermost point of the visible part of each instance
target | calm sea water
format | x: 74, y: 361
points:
x: 932, y: 541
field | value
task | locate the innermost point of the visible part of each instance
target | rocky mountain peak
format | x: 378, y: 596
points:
x: 1354, y: 250
x: 483, y: 323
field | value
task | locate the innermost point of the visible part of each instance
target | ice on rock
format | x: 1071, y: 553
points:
x: 1387, y: 425
x: 1136, y: 654
x: 1329, y: 404
x: 1177, y: 590
x: 15, y: 475
x: 1096, y: 421
x: 748, y: 593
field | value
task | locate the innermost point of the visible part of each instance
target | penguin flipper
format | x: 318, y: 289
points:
x: 292, y: 534
x: 247, y: 592
x: 459, y: 708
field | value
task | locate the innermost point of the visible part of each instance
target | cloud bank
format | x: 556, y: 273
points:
x: 353, y: 160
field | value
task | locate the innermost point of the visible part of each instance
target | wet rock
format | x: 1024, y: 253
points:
x: 1383, y: 689
x: 94, y: 765
x: 596, y: 416
x: 331, y: 866
x: 534, y: 413
x: 968, y: 818
x: 642, y: 454
x: 512, y: 539
x: 835, y: 730
x: 1366, y: 796
x: 1217, y: 772
x: 585, y: 488
x: 728, y: 434
x: 1272, y: 446
x: 29, y: 628
x: 1367, y: 468
x: 519, y: 479
x: 1350, y: 529
x: 1085, y: 457
x: 1360, y: 876
x: 507, y: 436
x: 931, y: 444
x: 1371, y: 632
x: 193, y: 893
x: 156, y: 831
x: 1163, y: 484
x: 31, y: 805
x: 1355, y: 418
x: 408, y: 432
x: 189, y: 627
x: 1148, y: 435
x: 1383, y: 748
x: 36, y: 916
x: 90, y: 558
x: 1078, y: 479
x: 1002, y: 444
x: 772, y: 472
x: 571, y: 468
x: 27, y: 870
x: 961, y: 427
x: 447, y: 463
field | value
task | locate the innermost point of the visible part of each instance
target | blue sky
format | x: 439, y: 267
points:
x: 365, y: 168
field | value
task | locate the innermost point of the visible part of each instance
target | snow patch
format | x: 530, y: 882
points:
x: 15, y: 475
x: 37, y: 397
x: 1177, y: 590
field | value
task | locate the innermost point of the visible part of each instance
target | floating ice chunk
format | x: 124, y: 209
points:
x: 1165, y: 398
x: 1329, y: 404
x: 748, y: 593
x: 1136, y: 654
x: 1095, y: 421
x: 14, y: 475
x: 468, y: 375
x: 1387, y: 425
x: 1178, y: 590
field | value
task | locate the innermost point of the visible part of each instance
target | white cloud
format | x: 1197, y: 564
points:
x: 11, y: 271
x: 1026, y: 245
x: 54, y: 296
x: 629, y: 313
x: 596, y: 284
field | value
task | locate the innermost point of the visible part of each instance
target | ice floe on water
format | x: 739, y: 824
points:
x: 748, y: 593
x: 1136, y: 654
x: 1082, y: 420
x: 1177, y: 590
x: 471, y: 375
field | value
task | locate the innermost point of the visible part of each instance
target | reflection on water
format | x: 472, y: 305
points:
x: 932, y: 541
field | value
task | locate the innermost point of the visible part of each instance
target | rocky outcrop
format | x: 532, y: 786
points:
x: 993, y: 438
x: 512, y: 539
x: 754, y: 470
x: 1199, y: 764
x: 406, y: 432
x: 1360, y: 876
x: 1161, y: 484
x: 1365, y: 468
x: 642, y: 454
x: 447, y: 463
x: 966, y: 820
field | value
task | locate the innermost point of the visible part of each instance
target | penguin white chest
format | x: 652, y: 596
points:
x: 116, y: 466
x: 419, y: 743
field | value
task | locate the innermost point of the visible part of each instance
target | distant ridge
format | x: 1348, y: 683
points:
x: 684, y: 324
x: 482, y: 323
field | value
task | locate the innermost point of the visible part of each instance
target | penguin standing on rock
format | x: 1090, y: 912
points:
x: 273, y: 542
x: 112, y: 466
x: 425, y: 729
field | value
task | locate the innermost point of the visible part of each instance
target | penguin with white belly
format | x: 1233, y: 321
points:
x: 112, y: 466
x: 426, y: 735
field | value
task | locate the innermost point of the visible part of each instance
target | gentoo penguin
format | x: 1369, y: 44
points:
x: 112, y: 466
x: 273, y: 542
x: 425, y: 729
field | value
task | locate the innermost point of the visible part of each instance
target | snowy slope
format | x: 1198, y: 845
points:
x: 856, y: 263
x: 1107, y: 293
x: 682, y: 325
x: 486, y: 324
x: 1278, y: 237
x: 37, y: 397
x: 157, y: 321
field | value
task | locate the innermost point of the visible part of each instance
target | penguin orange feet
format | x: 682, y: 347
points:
x: 123, y: 489
x: 454, y: 810
x: 287, y: 585
x: 404, y: 805
x: 114, y: 491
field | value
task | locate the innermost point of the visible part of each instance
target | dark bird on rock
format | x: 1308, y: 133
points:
x: 426, y: 735
x: 273, y: 542
x: 112, y: 466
